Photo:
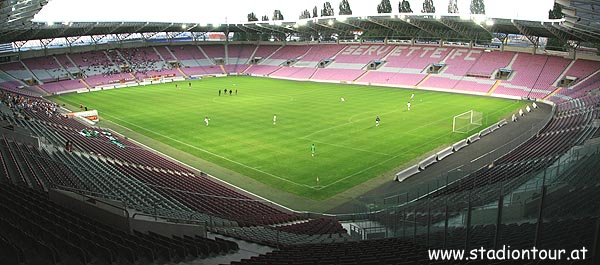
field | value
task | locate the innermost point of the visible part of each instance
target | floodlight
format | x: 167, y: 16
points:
x: 50, y: 23
x: 479, y: 19
x: 489, y: 22
x: 330, y: 22
x: 184, y: 26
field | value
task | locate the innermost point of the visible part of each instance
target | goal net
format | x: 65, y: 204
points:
x: 466, y: 122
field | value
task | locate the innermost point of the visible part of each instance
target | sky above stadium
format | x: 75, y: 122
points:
x: 235, y: 11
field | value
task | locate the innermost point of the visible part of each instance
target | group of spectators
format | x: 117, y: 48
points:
x: 140, y: 61
x: 97, y: 64
x: 18, y: 103
x: 134, y: 60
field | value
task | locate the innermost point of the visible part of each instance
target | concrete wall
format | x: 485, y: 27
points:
x: 21, y: 135
x: 167, y: 229
x: 108, y: 212
x: 113, y: 213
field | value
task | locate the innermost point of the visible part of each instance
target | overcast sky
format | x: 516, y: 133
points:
x: 235, y: 11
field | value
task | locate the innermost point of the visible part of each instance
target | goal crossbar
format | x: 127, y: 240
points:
x: 466, y: 122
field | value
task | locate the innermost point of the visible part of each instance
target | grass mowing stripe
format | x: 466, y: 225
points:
x: 242, y: 137
x: 208, y: 152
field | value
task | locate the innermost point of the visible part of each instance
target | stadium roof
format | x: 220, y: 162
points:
x: 580, y: 24
x: 16, y: 15
x: 582, y: 17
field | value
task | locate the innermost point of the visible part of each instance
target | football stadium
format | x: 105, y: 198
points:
x: 405, y: 132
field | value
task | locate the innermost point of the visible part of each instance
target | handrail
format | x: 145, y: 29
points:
x: 83, y: 193
x: 185, y: 221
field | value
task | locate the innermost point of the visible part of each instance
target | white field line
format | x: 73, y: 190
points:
x: 211, y: 153
x: 354, y: 174
x: 306, y: 138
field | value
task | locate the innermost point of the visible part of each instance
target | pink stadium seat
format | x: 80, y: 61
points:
x: 337, y: 74
x: 416, y: 57
x: 391, y: 78
x: 265, y: 51
x: 262, y: 70
x: 363, y: 54
x: 12, y: 66
x: 490, y: 61
x: 240, y: 51
x: 165, y: 54
x: 186, y: 52
x: 551, y: 72
x: 472, y: 86
x: 439, y: 82
x: 460, y: 61
x: 290, y: 52
x: 202, y: 70
x: 583, y: 68
x: 317, y: 53
x: 213, y: 51
x: 295, y: 72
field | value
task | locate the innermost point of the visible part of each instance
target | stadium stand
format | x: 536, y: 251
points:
x: 466, y: 70
x: 461, y: 61
x: 391, y: 78
x: 46, y: 69
x: 406, y: 57
x: 51, y: 234
x: 490, y: 62
x: 239, y: 54
x: 113, y: 167
x: 294, y: 72
x: 315, y: 226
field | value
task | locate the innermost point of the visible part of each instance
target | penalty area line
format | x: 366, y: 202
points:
x: 213, y: 154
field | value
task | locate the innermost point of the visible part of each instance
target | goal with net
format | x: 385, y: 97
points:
x: 466, y: 122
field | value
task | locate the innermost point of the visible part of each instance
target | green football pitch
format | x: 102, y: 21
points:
x: 242, y: 137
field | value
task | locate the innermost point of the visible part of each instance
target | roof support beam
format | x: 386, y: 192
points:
x: 527, y: 33
x: 426, y: 28
x: 561, y: 35
x: 458, y: 28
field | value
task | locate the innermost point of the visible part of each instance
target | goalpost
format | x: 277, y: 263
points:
x: 466, y: 122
